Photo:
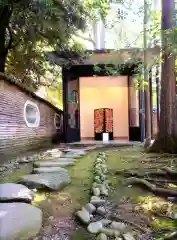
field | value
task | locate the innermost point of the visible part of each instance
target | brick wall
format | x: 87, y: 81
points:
x: 15, y: 135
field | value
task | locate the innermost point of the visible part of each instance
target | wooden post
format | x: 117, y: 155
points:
x: 151, y: 102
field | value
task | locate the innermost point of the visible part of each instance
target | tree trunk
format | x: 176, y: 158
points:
x: 5, y: 14
x: 146, y: 89
x: 167, y: 137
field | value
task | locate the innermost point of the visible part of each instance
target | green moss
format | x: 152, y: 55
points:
x: 164, y: 224
x: 14, y: 177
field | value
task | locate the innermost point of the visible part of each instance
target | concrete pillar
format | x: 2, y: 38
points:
x: 133, y: 103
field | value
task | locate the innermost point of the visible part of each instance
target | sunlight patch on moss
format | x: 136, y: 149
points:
x: 163, y: 224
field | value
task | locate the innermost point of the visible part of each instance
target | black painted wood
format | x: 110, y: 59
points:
x: 70, y: 74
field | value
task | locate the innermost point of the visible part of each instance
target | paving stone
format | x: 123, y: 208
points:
x: 53, y: 181
x: 19, y: 221
x: 47, y: 170
x: 15, y: 192
x: 53, y: 163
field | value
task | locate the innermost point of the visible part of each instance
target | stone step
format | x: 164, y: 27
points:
x: 47, y: 170
x: 19, y: 221
x: 72, y: 155
x: 52, y: 181
x: 15, y: 192
x: 52, y: 163
x: 59, y: 159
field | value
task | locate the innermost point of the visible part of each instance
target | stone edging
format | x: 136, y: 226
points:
x: 103, y: 228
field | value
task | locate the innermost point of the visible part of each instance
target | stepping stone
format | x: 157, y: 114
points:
x: 15, y: 192
x: 72, y: 155
x: 48, y: 170
x: 52, y: 163
x: 51, y: 158
x: 77, y: 151
x: 19, y: 221
x: 52, y: 181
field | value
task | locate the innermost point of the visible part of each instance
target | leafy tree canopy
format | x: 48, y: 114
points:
x: 31, y: 27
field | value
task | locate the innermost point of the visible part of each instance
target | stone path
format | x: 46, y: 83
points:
x: 18, y: 218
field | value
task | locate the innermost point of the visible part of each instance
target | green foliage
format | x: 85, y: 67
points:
x: 54, y: 95
x: 97, y: 8
x: 36, y: 26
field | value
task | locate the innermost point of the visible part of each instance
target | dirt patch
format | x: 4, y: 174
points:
x: 58, y: 228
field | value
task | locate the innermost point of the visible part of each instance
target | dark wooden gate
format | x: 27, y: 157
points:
x: 71, y: 107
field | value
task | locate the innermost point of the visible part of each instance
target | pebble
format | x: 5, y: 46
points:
x: 97, y: 179
x: 111, y: 232
x: 128, y: 236
x: 118, y: 226
x: 96, y: 191
x: 101, y: 211
x: 90, y: 208
x: 98, y: 202
x: 104, y: 190
x: 83, y: 216
x: 105, y: 222
x: 102, y: 236
x: 95, y: 227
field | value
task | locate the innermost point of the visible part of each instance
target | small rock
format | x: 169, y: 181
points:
x: 90, y: 208
x: 83, y: 216
x: 95, y: 198
x: 111, y: 232
x: 102, y: 236
x: 118, y: 226
x: 51, y: 218
x: 101, y: 211
x: 104, y: 190
x: 172, y: 199
x: 95, y: 227
x: 96, y: 185
x: 98, y: 202
x: 97, y: 179
x: 23, y: 160
x: 128, y: 236
x: 105, y: 222
x: 96, y: 191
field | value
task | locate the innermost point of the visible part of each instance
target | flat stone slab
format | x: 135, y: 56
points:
x: 19, y: 221
x: 52, y: 181
x: 52, y: 163
x: 15, y: 192
x: 75, y: 150
x: 72, y: 155
x: 48, y: 170
x: 57, y: 159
